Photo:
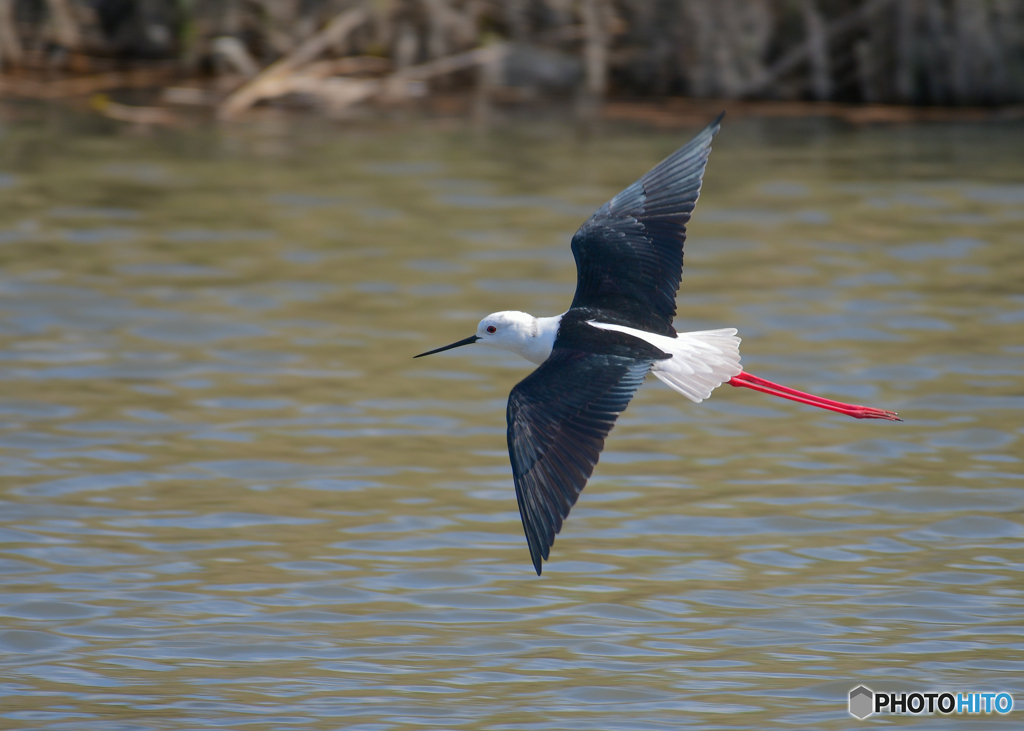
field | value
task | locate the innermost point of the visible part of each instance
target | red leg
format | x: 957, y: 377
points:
x: 747, y: 380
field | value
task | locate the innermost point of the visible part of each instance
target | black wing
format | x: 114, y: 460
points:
x: 558, y: 417
x: 629, y: 254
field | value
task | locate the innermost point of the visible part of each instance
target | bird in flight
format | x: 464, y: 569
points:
x: 594, y: 356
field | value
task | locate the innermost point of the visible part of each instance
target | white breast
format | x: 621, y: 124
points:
x: 541, y: 340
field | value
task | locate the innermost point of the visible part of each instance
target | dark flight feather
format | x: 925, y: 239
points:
x: 558, y: 418
x: 629, y: 261
x: 629, y: 254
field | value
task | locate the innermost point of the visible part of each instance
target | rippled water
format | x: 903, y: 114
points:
x: 230, y: 499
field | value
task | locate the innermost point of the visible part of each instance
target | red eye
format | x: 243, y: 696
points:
x: 492, y: 329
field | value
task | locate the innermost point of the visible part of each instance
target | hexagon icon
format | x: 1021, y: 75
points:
x: 862, y: 702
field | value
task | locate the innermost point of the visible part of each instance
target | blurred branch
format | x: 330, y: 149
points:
x: 320, y: 80
x: 236, y: 55
x: 85, y: 85
x: 10, y: 44
x: 65, y: 27
x: 135, y: 115
x: 407, y: 82
x: 803, y: 52
x: 270, y: 78
x: 451, y: 64
x: 817, y: 48
x: 350, y: 66
x: 335, y: 93
x: 596, y: 49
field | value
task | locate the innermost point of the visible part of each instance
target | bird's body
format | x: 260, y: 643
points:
x: 693, y: 363
x: 593, y: 357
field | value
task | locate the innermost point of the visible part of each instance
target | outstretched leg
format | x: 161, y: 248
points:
x: 746, y: 380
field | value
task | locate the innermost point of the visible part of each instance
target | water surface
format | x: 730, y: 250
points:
x: 231, y: 499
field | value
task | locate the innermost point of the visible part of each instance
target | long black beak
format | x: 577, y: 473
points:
x: 468, y: 341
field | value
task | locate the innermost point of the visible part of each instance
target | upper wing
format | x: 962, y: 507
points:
x: 558, y: 417
x: 629, y: 254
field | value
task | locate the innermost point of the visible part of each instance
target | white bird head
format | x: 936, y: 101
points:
x: 515, y: 331
x: 509, y: 330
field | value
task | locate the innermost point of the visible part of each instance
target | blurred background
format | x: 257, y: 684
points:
x: 230, y: 499
x: 336, y: 54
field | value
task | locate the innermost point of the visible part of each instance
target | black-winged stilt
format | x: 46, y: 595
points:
x: 593, y: 357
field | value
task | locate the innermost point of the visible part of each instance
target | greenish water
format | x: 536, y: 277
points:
x: 230, y: 499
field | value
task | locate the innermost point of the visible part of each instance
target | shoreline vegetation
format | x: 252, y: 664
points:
x: 662, y: 62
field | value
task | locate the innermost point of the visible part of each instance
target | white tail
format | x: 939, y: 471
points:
x: 701, y: 361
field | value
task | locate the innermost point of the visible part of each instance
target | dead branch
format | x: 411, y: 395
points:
x: 596, y: 48
x: 257, y: 89
x: 84, y: 85
x: 135, y: 115
x: 450, y: 64
x: 321, y: 81
x: 449, y: 29
x: 397, y: 85
x: 10, y: 44
x: 336, y: 92
x: 350, y: 66
x: 65, y: 27
x: 237, y: 56
x: 189, y: 96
